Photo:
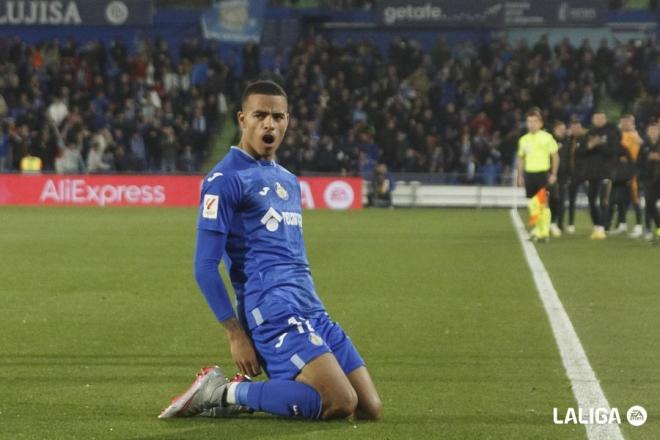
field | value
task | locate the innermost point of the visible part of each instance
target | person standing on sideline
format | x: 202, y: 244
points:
x: 599, y: 151
x: 626, y: 167
x: 558, y: 189
x: 649, y: 165
x: 575, y: 164
x: 537, y: 166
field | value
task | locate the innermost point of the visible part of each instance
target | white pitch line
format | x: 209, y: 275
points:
x: 584, y: 384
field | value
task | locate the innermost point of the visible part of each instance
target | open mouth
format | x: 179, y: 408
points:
x: 268, y: 138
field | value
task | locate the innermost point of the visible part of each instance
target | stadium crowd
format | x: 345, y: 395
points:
x: 456, y: 110
x: 92, y: 108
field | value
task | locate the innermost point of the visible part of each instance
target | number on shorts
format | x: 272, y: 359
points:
x: 298, y: 324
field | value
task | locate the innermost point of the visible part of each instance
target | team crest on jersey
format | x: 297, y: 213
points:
x: 281, y: 192
x: 315, y: 339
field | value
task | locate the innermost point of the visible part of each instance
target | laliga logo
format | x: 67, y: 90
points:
x: 636, y: 416
x: 339, y: 195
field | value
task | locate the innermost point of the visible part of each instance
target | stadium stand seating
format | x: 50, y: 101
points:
x: 455, y: 109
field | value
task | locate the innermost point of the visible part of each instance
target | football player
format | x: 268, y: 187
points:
x: 250, y: 213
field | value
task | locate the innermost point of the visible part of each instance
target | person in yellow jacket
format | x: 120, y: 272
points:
x: 537, y: 165
x: 30, y: 164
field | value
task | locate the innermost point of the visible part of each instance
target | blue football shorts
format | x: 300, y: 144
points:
x: 287, y: 342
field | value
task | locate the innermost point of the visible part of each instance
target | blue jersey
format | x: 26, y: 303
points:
x: 256, y: 205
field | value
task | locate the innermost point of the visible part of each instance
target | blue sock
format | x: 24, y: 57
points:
x: 281, y: 397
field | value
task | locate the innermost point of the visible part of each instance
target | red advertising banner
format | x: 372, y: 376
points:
x: 154, y: 190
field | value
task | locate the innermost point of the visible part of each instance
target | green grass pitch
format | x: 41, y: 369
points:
x: 101, y: 323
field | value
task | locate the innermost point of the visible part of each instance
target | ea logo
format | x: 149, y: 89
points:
x: 636, y: 415
x: 116, y: 12
x: 338, y: 195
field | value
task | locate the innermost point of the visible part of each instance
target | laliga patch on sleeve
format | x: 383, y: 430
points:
x: 210, y: 206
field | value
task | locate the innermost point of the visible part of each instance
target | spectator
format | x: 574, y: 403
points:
x: 57, y: 111
x: 71, y: 160
x: 4, y: 148
x: 187, y: 160
x: 382, y: 185
x: 138, y: 152
x: 169, y: 146
x: 96, y: 158
x: 30, y: 164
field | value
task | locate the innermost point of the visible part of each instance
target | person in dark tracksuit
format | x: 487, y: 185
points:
x: 649, y: 165
x: 575, y: 163
x: 558, y: 190
x: 599, y: 152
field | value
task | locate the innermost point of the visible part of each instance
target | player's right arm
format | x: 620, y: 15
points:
x: 220, y: 199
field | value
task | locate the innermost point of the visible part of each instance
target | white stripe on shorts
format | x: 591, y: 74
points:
x: 297, y: 361
x: 256, y: 314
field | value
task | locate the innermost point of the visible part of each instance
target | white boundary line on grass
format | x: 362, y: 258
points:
x: 584, y: 384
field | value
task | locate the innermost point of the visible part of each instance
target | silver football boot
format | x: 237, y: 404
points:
x: 205, y: 393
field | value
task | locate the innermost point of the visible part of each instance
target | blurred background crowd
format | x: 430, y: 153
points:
x: 100, y: 108
x: 456, y: 110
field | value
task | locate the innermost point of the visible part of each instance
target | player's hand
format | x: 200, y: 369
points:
x: 242, y: 351
x: 521, y: 180
x: 552, y: 179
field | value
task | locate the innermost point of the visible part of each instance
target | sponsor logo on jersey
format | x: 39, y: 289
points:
x: 272, y: 219
x: 210, y: 206
x: 281, y: 192
x: 280, y: 340
x: 264, y: 191
x: 292, y: 218
x: 212, y: 178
